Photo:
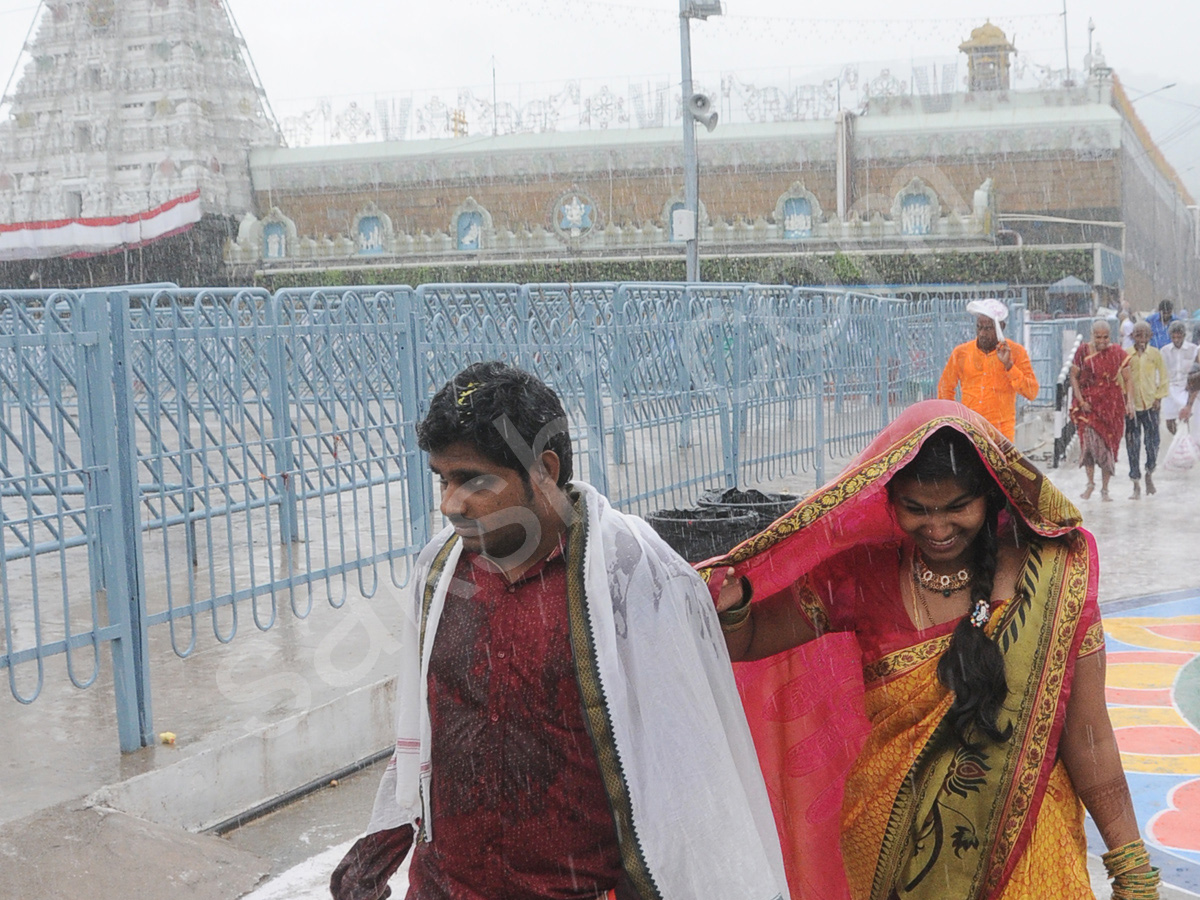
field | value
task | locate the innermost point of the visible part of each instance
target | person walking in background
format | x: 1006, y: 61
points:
x: 954, y: 580
x: 1159, y: 322
x: 1179, y: 355
x: 991, y: 370
x: 568, y: 722
x: 1126, y: 320
x: 1100, y: 386
x: 1148, y: 384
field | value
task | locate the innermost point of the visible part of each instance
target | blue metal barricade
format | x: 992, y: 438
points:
x: 184, y: 459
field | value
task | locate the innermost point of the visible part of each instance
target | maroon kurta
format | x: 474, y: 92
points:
x: 518, y: 805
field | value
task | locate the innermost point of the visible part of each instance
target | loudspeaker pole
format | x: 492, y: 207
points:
x: 691, y: 173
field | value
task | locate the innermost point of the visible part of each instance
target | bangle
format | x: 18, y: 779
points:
x: 1124, y: 859
x: 736, y: 617
x: 1136, y: 886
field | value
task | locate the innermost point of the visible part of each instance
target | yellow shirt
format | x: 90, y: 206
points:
x: 1150, y: 377
x: 987, y: 387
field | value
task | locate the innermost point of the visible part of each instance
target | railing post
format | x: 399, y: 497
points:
x: 617, y: 367
x: 738, y: 389
x: 593, y: 404
x: 417, y: 479
x: 822, y: 374
x: 281, y: 426
x: 107, y: 378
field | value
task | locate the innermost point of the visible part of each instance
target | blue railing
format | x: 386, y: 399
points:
x: 179, y: 459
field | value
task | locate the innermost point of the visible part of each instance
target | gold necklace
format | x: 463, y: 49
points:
x: 947, y: 584
x: 919, y: 596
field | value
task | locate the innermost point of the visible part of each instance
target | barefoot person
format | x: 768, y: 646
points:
x: 1100, y: 382
x: 954, y: 579
x: 1148, y: 384
x: 1180, y: 356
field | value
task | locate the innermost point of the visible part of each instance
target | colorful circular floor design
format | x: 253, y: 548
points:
x: 1153, y: 649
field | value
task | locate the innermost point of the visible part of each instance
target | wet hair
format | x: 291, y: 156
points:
x: 1166, y: 308
x: 1177, y: 325
x: 1097, y: 323
x: 972, y: 666
x: 504, y: 413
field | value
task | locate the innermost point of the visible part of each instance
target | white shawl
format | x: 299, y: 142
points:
x: 676, y: 754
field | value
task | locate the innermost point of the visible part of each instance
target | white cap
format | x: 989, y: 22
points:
x: 992, y: 308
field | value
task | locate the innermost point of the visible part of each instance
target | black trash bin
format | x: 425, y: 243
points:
x: 766, y: 507
x: 699, y: 534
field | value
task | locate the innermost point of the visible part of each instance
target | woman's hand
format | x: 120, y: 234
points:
x: 730, y: 593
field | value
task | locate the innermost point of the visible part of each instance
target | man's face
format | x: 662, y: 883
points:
x: 985, y: 334
x: 1177, y: 337
x: 493, y: 509
x: 1141, y: 336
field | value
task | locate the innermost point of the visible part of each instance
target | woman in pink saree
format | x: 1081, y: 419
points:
x: 922, y: 667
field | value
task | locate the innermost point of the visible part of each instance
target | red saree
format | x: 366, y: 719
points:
x: 1102, y: 385
x: 872, y: 795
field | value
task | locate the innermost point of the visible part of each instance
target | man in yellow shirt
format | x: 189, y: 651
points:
x: 990, y: 370
x: 1148, y: 385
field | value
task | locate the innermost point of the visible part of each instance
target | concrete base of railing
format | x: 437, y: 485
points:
x: 213, y: 787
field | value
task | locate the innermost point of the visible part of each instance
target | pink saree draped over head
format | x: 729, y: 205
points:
x: 807, y: 708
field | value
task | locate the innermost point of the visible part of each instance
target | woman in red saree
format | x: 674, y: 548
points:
x: 1100, y: 377
x: 924, y: 676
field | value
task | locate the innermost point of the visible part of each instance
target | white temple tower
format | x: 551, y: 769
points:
x: 127, y: 114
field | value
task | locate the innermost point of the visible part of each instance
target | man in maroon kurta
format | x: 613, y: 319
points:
x: 576, y: 731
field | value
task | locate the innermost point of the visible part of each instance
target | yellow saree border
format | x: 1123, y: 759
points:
x: 990, y: 794
x: 904, y: 660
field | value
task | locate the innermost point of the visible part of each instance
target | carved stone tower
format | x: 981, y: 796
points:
x: 988, y: 53
x: 123, y: 109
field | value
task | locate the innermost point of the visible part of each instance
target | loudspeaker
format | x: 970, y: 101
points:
x: 700, y: 106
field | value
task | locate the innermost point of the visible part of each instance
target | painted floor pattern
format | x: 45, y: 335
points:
x: 1153, y: 685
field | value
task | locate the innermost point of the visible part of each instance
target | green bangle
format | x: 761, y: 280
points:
x: 1121, y: 860
x: 1136, y: 886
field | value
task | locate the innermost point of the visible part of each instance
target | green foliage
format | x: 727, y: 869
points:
x: 1014, y: 266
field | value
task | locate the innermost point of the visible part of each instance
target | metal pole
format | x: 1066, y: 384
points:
x: 1066, y: 47
x: 691, y: 176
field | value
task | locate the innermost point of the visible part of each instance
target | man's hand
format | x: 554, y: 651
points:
x: 1185, y: 413
x: 364, y: 871
x: 1004, y: 354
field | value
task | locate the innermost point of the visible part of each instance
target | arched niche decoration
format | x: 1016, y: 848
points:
x: 915, y: 209
x: 797, y: 212
x: 471, y: 227
x: 372, y: 231
x: 278, y: 236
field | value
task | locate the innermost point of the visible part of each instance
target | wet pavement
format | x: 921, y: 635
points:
x: 63, y: 747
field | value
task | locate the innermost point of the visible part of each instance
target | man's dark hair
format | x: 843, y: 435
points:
x: 1165, y: 308
x: 503, y: 412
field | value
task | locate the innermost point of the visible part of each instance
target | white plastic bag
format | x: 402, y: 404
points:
x: 1182, y: 454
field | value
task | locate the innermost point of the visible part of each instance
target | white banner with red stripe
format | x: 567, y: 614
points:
x: 88, y: 237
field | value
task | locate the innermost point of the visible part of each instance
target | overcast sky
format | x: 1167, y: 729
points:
x: 315, y: 48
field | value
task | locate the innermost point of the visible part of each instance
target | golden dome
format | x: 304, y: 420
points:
x: 987, y: 37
